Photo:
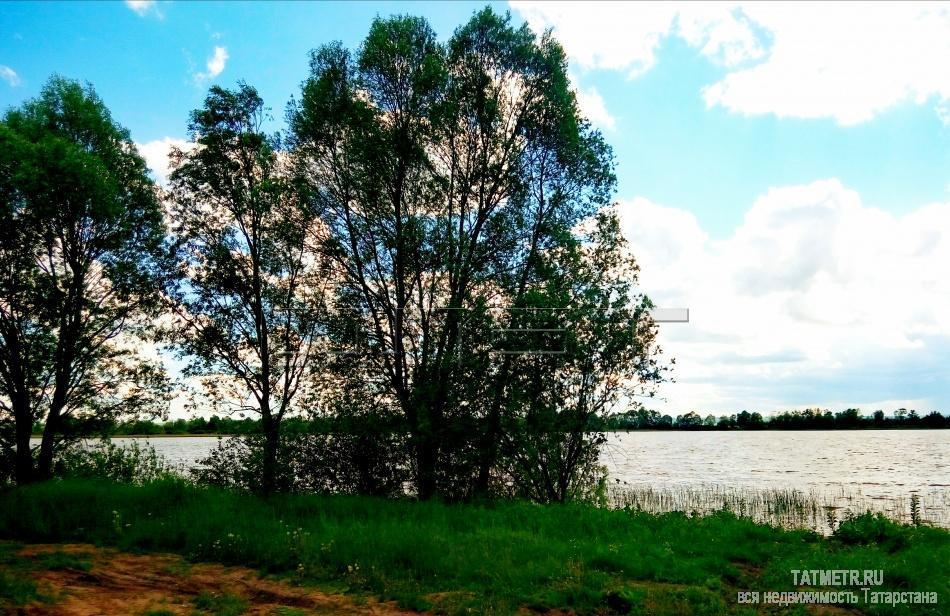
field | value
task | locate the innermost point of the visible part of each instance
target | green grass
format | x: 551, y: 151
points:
x: 220, y: 605
x: 488, y: 558
x: 16, y: 585
x: 16, y: 589
x: 57, y: 561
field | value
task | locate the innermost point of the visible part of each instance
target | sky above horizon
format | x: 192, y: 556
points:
x: 783, y: 171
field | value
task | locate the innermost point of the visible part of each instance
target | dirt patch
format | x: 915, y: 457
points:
x: 118, y: 583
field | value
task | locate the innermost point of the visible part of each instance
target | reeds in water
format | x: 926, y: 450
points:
x: 786, y: 508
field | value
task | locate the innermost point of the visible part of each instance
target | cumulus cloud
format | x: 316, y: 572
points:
x: 601, y: 35
x: 143, y: 7
x: 214, y: 66
x: 592, y: 106
x: 9, y: 75
x: 815, y: 299
x: 843, y: 61
x: 156, y: 154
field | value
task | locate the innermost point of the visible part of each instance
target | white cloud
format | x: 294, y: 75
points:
x: 815, y: 299
x: 156, y: 154
x: 843, y: 61
x: 9, y: 75
x: 143, y: 7
x: 216, y: 61
x: 215, y: 65
x: 721, y: 31
x: 603, y: 34
x: 592, y: 106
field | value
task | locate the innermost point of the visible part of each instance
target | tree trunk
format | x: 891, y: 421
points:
x: 51, y: 429
x: 24, y: 454
x: 492, y: 435
x: 425, y: 461
x: 44, y: 463
x: 420, y: 414
x: 271, y: 444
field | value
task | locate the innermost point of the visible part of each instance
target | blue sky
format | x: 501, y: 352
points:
x: 786, y: 175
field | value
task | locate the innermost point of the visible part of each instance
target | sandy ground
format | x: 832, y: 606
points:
x: 131, y: 584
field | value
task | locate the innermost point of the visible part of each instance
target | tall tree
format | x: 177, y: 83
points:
x: 82, y: 234
x: 247, y: 290
x: 605, y: 354
x: 444, y: 174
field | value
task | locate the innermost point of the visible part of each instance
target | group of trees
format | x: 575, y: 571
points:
x: 80, y: 233
x: 195, y: 425
x: 640, y: 419
x: 427, y: 261
x: 809, y: 419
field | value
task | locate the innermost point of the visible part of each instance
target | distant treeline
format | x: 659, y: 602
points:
x: 809, y: 419
x: 195, y: 425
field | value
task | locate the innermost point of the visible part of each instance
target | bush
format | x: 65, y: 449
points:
x: 235, y: 464
x: 132, y: 463
x: 872, y: 529
x: 345, y: 462
x: 6, y: 468
x: 556, y: 463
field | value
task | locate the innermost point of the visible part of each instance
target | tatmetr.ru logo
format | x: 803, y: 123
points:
x: 838, y: 577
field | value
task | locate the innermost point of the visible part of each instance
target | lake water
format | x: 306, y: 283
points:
x: 832, y: 472
x: 879, y: 463
x: 851, y: 470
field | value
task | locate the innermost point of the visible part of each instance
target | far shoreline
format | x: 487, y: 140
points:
x: 615, y: 431
x: 93, y: 436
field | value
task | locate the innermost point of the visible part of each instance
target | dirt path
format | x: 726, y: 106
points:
x: 124, y: 584
x: 85, y: 580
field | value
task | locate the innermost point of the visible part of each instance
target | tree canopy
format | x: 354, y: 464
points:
x: 82, y: 235
x: 428, y: 263
x: 452, y: 179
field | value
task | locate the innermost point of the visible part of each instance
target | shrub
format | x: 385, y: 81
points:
x: 131, y: 463
x: 337, y: 462
x: 871, y: 529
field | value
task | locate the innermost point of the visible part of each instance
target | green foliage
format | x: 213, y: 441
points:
x: 809, y: 419
x: 452, y: 180
x: 346, y: 455
x: 16, y: 589
x: 220, y: 605
x: 81, y: 235
x: 431, y: 196
x: 915, y: 509
x: 639, y: 419
x: 16, y: 585
x: 244, y: 290
x: 131, y: 463
x: 494, y: 557
x: 912, y: 559
x: 873, y: 529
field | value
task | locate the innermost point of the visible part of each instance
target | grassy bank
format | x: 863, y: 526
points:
x: 492, y: 558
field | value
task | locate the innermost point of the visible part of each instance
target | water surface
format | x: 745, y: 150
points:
x: 848, y: 469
